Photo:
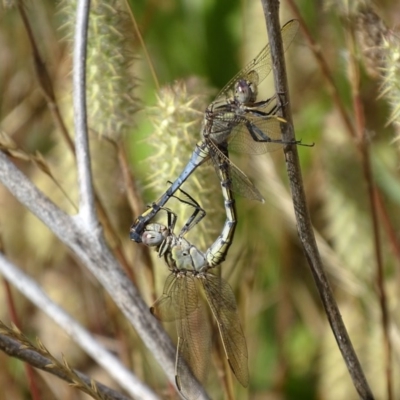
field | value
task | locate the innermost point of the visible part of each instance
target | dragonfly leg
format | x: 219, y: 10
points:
x: 273, y: 110
x: 198, y: 157
x: 282, y: 99
x: 197, y: 215
x: 171, y: 218
x: 259, y: 136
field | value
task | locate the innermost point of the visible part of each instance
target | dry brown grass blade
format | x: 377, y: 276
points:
x: 39, y: 356
x: 10, y: 147
x: 304, y: 226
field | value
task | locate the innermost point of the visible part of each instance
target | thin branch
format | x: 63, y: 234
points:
x: 71, y: 327
x: 136, y: 204
x: 34, y: 390
x: 86, y: 207
x: 324, y: 67
x: 279, y: 197
x: 44, y: 79
x: 306, y: 234
x: 47, y: 88
x: 350, y: 128
x: 14, y: 348
x: 372, y: 192
x: 377, y: 207
x: 143, y: 45
x: 92, y: 252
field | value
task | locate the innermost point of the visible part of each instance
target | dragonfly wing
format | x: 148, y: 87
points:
x: 164, y: 307
x: 194, y: 340
x: 262, y: 64
x: 265, y: 135
x: 238, y: 181
x: 223, y: 305
x: 259, y: 68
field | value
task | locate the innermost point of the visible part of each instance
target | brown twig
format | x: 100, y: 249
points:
x: 44, y: 79
x: 34, y: 390
x: 363, y: 148
x: 136, y: 205
x: 146, y: 53
x: 377, y: 207
x: 351, y: 129
x: 47, y: 89
x: 304, y: 226
x: 14, y: 348
x: 323, y: 65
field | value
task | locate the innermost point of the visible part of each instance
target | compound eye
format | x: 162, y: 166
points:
x: 152, y: 238
x: 243, y: 91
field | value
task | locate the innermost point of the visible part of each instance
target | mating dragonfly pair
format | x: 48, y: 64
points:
x: 234, y: 121
x: 190, y: 269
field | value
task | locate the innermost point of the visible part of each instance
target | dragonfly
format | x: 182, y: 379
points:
x: 235, y: 120
x: 180, y: 302
x: 157, y: 235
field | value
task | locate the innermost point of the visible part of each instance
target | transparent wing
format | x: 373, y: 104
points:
x: 265, y: 135
x: 259, y: 68
x: 194, y: 342
x: 223, y: 305
x: 164, y: 307
x: 247, y: 130
x: 180, y: 303
x: 169, y: 306
x: 238, y: 181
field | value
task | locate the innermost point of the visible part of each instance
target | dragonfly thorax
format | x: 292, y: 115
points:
x: 219, y: 122
x: 245, y: 92
x: 187, y: 257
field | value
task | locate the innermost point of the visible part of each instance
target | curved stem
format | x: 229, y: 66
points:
x: 93, y: 252
x: 86, y: 207
x: 69, y: 325
x: 304, y: 226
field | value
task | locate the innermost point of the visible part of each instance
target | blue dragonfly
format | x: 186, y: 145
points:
x: 193, y: 271
x: 235, y: 120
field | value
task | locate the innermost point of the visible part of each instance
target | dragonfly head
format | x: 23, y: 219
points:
x: 245, y: 91
x: 154, y: 235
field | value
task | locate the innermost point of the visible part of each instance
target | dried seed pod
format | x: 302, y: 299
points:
x: 370, y: 33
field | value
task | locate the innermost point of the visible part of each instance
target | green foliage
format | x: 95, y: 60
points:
x: 292, y: 354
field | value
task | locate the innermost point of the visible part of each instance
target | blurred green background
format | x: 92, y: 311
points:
x: 195, y: 48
